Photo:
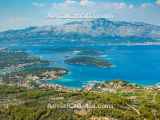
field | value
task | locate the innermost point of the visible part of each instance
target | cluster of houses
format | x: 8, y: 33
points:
x: 118, y: 85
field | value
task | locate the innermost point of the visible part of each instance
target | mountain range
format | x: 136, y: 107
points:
x: 96, y: 29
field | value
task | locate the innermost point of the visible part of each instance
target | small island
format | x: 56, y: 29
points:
x: 89, y: 60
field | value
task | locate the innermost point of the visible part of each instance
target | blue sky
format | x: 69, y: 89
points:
x: 23, y: 13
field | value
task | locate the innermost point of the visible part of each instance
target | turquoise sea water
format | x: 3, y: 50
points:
x: 138, y: 64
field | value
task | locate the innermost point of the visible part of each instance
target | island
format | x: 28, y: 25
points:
x: 25, y: 94
x: 89, y: 60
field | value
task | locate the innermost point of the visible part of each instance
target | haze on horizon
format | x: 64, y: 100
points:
x: 15, y: 14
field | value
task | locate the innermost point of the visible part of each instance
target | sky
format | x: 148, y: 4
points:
x: 15, y: 14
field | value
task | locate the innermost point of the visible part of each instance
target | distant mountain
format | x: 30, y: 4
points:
x: 93, y: 29
x: 104, y: 27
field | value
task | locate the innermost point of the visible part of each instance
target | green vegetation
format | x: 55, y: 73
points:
x: 89, y: 60
x: 10, y: 58
x: 17, y: 67
x: 33, y: 104
x: 113, y: 100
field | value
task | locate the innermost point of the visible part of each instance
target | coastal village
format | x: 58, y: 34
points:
x: 79, y: 59
x: 117, y: 98
x: 30, y: 72
x: 24, y: 90
x: 27, y: 71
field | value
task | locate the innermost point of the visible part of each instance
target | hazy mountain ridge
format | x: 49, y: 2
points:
x: 97, y: 28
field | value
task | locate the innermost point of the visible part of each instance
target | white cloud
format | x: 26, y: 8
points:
x: 131, y: 6
x: 111, y: 10
x: 85, y: 9
x: 158, y: 2
x: 146, y: 12
x: 85, y: 2
x: 119, y: 5
x: 69, y: 1
x: 36, y: 4
x: 147, y: 5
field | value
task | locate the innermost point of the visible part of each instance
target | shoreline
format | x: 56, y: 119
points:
x: 135, y: 44
x: 94, y: 82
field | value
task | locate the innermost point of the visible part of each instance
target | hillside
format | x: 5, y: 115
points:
x: 96, y: 29
x: 51, y: 104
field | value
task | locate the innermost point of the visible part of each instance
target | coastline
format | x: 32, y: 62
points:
x: 92, y: 84
x: 135, y: 44
x: 50, y: 74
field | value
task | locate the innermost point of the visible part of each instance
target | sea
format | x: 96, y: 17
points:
x: 138, y: 64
